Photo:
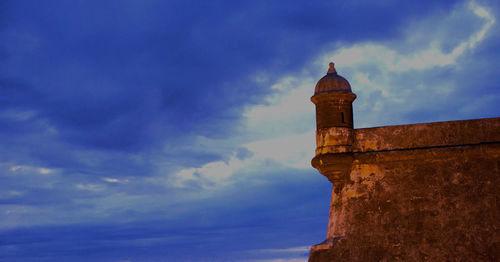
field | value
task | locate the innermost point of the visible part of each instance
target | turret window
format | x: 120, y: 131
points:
x: 342, y: 115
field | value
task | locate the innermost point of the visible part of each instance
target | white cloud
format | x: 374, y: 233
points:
x: 26, y: 169
x: 90, y: 187
x: 214, y: 172
x: 282, y: 131
x: 282, y: 128
x: 391, y: 81
x: 10, y: 193
x: 16, y: 168
x: 45, y: 171
x: 293, y: 151
x: 287, y: 112
x: 487, y: 16
x: 115, y: 180
x: 388, y: 59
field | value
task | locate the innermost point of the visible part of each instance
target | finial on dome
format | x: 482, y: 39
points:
x: 332, y: 70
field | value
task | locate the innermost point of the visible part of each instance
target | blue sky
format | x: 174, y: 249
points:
x: 183, y: 131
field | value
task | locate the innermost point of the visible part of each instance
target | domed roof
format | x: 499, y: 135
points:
x: 332, y: 82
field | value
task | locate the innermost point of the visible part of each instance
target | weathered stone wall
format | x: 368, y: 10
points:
x: 427, y: 135
x: 424, y: 192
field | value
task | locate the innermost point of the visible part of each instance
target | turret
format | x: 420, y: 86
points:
x: 333, y: 98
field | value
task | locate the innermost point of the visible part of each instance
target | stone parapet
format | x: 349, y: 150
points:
x: 438, y: 134
x: 334, y: 140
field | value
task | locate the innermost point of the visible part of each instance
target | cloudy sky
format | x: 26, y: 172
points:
x: 183, y: 130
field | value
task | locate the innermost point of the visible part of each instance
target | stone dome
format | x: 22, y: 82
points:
x: 332, y: 82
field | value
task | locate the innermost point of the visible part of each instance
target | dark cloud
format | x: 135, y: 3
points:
x: 113, y: 97
x: 105, y: 72
x: 207, y: 227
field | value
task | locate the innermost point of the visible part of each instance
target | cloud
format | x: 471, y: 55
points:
x: 391, y: 84
x: 275, y: 134
x: 113, y: 180
x: 390, y: 60
x: 199, y: 118
x: 282, y: 127
x: 24, y: 169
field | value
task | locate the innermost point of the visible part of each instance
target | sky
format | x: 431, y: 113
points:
x: 136, y: 131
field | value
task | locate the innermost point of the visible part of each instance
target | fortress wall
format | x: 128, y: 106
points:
x: 417, y: 205
x: 436, y: 134
x: 430, y: 192
x: 420, y: 192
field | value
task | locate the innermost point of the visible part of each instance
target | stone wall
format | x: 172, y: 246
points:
x: 424, y: 192
x: 436, y: 134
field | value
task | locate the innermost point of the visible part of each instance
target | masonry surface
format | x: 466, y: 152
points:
x: 421, y: 192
